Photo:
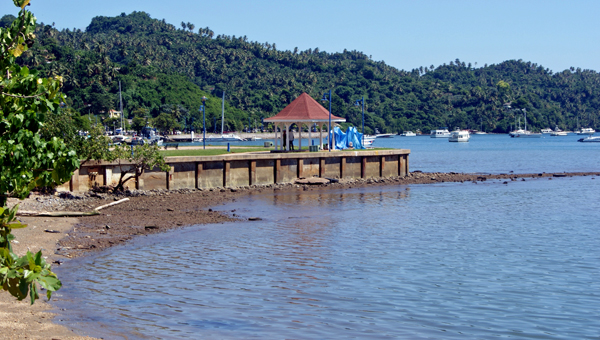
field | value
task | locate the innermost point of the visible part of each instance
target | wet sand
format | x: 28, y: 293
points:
x: 153, y: 212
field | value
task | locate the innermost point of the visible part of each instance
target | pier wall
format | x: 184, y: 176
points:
x: 234, y: 170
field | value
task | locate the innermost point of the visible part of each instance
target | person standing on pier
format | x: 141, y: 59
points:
x: 292, y: 140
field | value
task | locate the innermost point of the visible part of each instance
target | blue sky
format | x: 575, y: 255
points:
x: 404, y: 34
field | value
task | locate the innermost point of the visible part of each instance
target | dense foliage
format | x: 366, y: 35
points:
x: 166, y: 69
x: 27, y: 159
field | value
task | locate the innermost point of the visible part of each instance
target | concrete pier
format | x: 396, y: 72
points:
x: 234, y: 170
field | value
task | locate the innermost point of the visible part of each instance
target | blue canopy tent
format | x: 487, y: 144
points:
x: 351, y: 138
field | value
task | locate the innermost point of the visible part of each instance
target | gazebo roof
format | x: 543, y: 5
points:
x: 304, y: 109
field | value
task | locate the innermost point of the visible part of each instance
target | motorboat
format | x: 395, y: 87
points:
x: 368, y: 140
x: 440, y: 133
x: 384, y: 135
x: 137, y: 141
x: 480, y: 133
x: 590, y: 139
x: 547, y: 130
x: 558, y: 132
x: 118, y: 139
x: 224, y: 138
x: 459, y: 136
x: 585, y: 131
x: 408, y: 134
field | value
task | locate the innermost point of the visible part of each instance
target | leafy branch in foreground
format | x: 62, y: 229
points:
x: 27, y: 159
x: 19, y: 275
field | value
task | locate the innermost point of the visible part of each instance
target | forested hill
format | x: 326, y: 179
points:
x: 167, y: 69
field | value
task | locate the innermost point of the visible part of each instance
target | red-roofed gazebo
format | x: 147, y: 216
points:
x: 304, y: 110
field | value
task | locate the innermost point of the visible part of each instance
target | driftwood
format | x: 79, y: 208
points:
x: 111, y: 204
x: 57, y: 213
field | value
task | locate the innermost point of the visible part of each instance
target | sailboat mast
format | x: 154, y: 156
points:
x: 222, y: 113
x: 121, y: 106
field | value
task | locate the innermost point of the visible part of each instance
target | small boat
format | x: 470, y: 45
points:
x: 118, y: 139
x: 590, y: 139
x: 440, y: 133
x: 224, y: 138
x: 585, y: 131
x: 408, y: 134
x: 384, y: 135
x: 368, y: 140
x: 137, y: 141
x: 480, y: 133
x: 524, y: 133
x: 547, y: 130
x: 459, y: 136
x: 558, y: 132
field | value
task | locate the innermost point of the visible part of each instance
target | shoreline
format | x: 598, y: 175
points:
x: 150, y: 212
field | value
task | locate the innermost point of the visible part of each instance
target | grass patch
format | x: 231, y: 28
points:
x: 241, y: 149
x: 210, y: 152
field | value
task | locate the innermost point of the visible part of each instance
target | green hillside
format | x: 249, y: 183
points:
x: 167, y: 69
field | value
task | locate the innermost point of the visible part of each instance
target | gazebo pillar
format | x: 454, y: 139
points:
x: 309, y: 135
x: 287, y: 137
x: 299, y: 124
x: 276, y: 138
x: 321, y: 135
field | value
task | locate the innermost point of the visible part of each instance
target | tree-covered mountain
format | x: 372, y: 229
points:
x: 164, y: 69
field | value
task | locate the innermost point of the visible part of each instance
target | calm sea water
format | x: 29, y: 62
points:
x: 446, y: 261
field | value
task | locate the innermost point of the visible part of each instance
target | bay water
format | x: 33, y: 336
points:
x: 442, y: 261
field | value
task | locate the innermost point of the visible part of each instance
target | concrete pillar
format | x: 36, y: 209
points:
x: 300, y: 167
x: 342, y: 166
x: 199, y: 168
x: 252, y: 173
x: 277, y: 170
x: 321, y: 167
x: 363, y: 167
x: 226, y: 165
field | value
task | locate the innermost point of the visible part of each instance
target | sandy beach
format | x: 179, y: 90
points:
x: 153, y: 212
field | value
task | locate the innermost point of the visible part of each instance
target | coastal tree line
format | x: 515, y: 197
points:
x: 164, y: 70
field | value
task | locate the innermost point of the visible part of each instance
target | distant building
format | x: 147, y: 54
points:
x: 114, y: 114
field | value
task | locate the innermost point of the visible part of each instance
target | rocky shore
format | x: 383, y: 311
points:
x: 154, y: 211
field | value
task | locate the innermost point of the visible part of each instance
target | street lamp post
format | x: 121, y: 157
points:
x: 362, y: 101
x: 327, y: 97
x: 203, y: 122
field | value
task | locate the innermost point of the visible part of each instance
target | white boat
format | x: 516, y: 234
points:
x: 547, y: 130
x: 408, y: 134
x: 368, y: 140
x: 118, y: 139
x: 558, y: 132
x: 524, y: 133
x: 480, y: 133
x: 224, y: 138
x: 384, y: 135
x: 459, y: 136
x: 585, y: 131
x: 590, y: 139
x: 440, y: 133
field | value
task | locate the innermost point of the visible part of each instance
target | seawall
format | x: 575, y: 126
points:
x: 235, y: 170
